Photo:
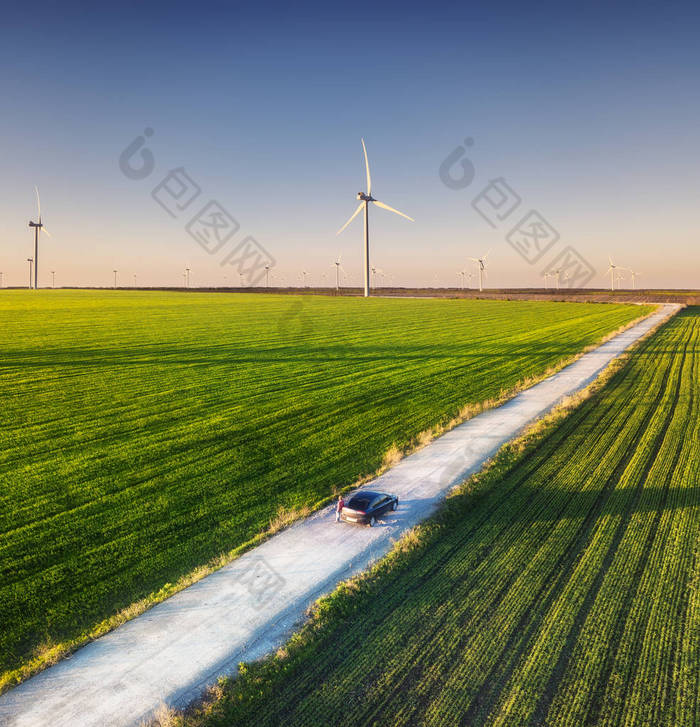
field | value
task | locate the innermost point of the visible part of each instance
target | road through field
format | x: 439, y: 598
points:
x: 248, y: 608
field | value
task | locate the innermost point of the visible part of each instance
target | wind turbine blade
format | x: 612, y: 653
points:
x: 45, y: 231
x: 369, y: 178
x: 391, y: 209
x: 352, y: 217
x: 476, y: 260
x: 38, y: 202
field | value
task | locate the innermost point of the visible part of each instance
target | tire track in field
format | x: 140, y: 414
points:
x: 668, y: 479
x: 487, y: 698
x: 557, y: 675
x: 485, y: 552
x: 685, y: 602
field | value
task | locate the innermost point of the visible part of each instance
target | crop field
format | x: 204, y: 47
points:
x: 145, y: 433
x: 562, y: 588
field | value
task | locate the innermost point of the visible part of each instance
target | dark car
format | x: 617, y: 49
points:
x: 366, y: 507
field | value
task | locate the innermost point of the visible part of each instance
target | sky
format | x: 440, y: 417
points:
x: 581, y: 123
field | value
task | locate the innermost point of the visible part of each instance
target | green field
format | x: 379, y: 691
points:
x: 561, y: 589
x: 145, y: 433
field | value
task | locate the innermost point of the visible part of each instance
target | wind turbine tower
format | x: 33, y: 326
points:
x: 337, y: 274
x: 556, y: 274
x: 365, y: 199
x: 611, y: 270
x: 481, y: 262
x: 634, y: 279
x: 37, y: 226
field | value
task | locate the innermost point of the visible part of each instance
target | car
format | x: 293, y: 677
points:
x: 365, y: 506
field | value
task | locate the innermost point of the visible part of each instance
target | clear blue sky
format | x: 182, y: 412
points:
x: 591, y: 113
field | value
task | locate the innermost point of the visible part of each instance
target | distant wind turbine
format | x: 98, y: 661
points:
x: 611, y: 270
x: 634, y: 279
x: 338, y: 270
x: 53, y: 278
x: 365, y: 199
x: 115, y: 277
x: 556, y: 275
x: 267, y: 276
x: 37, y: 226
x: 481, y: 262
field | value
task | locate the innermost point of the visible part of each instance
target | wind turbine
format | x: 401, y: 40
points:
x: 556, y: 273
x: 337, y: 273
x: 462, y: 273
x: 187, y: 277
x: 303, y: 275
x: 115, y: 278
x: 375, y: 272
x: 267, y: 276
x: 365, y: 198
x: 611, y: 270
x: 620, y: 277
x: 53, y: 278
x: 30, y: 260
x: 481, y: 262
x: 634, y: 279
x: 37, y: 226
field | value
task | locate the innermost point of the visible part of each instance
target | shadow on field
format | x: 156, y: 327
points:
x: 308, y: 352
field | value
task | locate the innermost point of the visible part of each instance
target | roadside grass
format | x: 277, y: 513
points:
x: 149, y: 438
x: 557, y: 587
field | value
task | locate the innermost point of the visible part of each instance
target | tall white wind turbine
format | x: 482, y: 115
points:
x: 37, y: 227
x: 634, y: 278
x: 365, y: 198
x: 481, y: 263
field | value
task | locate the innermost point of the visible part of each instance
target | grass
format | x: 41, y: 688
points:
x: 148, y: 435
x: 561, y: 587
